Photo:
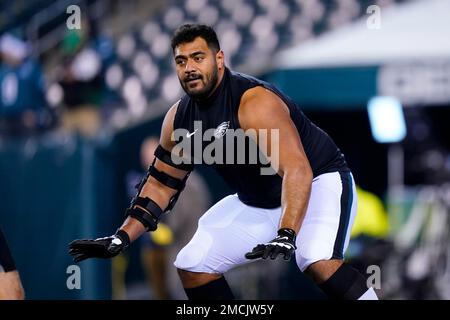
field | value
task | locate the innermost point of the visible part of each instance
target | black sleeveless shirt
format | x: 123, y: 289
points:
x: 220, y: 112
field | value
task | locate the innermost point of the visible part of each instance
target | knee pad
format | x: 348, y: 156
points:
x: 307, y: 255
x: 192, y: 256
x: 346, y: 283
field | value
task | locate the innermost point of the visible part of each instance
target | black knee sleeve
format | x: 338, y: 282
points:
x: 345, y: 284
x: 6, y: 260
x: 214, y: 290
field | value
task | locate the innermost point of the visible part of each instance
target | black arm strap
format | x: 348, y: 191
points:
x: 166, y: 179
x: 149, y: 205
x: 152, y: 213
x: 166, y: 157
x: 148, y: 217
x: 143, y: 217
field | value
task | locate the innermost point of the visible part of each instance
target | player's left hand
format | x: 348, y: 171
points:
x: 283, y: 244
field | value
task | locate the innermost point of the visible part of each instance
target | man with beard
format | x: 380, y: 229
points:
x: 305, y: 208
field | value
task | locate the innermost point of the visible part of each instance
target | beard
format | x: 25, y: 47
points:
x: 209, y: 82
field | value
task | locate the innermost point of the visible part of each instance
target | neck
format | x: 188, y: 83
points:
x: 219, y: 80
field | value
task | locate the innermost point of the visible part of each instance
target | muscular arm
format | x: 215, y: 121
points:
x: 262, y: 109
x: 153, y: 189
x: 153, y: 198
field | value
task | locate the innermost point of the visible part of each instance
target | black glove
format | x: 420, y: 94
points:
x: 107, y: 247
x: 283, y: 244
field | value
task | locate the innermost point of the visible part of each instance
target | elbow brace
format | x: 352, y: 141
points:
x: 144, y: 209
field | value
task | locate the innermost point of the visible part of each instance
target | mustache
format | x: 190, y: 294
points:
x: 191, y: 77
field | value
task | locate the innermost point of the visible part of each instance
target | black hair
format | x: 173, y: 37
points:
x: 188, y: 33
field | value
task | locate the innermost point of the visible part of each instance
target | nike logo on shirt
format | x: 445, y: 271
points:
x: 188, y: 135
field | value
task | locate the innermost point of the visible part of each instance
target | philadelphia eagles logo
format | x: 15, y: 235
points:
x: 221, y: 129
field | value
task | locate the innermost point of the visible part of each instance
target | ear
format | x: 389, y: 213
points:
x: 220, y: 59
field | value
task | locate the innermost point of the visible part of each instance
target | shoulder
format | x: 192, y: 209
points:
x: 170, y: 114
x: 181, y: 109
x: 168, y: 126
x: 261, y: 104
x: 261, y: 95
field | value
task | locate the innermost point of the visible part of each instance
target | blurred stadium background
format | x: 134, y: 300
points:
x: 76, y: 106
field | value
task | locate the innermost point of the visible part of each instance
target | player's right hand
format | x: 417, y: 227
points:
x: 107, y: 247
